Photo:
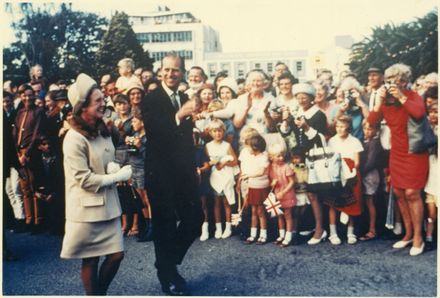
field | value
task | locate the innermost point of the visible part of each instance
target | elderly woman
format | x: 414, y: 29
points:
x: 351, y: 103
x: 305, y: 125
x: 408, y: 171
x: 93, y: 226
x: 321, y: 101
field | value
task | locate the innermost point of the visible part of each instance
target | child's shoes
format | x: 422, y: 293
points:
x: 205, y: 232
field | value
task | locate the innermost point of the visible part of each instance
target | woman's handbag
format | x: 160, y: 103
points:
x: 324, y: 168
x: 420, y: 135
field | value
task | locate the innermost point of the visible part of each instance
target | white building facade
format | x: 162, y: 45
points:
x: 164, y: 30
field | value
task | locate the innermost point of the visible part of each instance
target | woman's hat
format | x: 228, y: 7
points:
x: 79, y: 90
x: 134, y: 84
x: 228, y: 82
x: 303, y: 88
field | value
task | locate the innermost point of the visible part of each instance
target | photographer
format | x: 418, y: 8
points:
x: 408, y: 171
x: 352, y: 105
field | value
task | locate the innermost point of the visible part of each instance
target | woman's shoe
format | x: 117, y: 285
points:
x: 402, y: 243
x: 351, y: 239
x: 415, y: 251
x: 314, y: 241
x: 284, y: 244
x: 334, y: 239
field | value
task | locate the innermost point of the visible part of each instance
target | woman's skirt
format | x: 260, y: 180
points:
x: 92, y: 239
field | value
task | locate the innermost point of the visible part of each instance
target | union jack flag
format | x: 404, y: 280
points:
x: 272, y: 205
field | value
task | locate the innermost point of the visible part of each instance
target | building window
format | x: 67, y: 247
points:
x: 270, y: 67
x: 240, y: 70
x: 159, y: 37
x: 299, y: 65
x: 212, y: 67
x: 225, y: 67
x: 258, y: 65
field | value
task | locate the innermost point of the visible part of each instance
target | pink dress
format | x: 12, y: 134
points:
x: 407, y: 170
x: 280, y: 173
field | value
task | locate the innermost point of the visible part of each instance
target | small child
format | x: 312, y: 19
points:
x: 126, y: 68
x: 281, y: 177
x: 257, y: 166
x: 203, y: 172
x: 370, y: 164
x: 224, y: 168
x: 431, y: 188
x: 300, y: 182
x: 137, y: 149
x: 349, y: 147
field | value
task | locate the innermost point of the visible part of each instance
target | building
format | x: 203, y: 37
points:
x: 163, y: 30
x: 239, y: 63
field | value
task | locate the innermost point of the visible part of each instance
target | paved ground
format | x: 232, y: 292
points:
x: 230, y: 268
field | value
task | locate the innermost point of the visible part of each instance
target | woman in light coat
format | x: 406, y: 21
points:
x: 93, y: 211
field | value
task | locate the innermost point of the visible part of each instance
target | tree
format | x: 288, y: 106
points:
x: 414, y: 44
x: 62, y: 41
x: 120, y: 42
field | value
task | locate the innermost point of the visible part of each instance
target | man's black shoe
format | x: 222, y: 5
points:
x: 172, y: 283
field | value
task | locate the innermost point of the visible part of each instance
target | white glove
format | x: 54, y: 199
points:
x: 113, y: 167
x: 122, y: 175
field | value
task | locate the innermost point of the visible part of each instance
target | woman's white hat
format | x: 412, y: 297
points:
x: 303, y: 88
x: 228, y: 82
x: 79, y: 90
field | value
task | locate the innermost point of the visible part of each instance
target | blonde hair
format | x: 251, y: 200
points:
x: 215, y: 105
x: 246, y: 134
x: 216, y: 124
x: 346, y: 120
x: 275, y: 149
x: 399, y: 70
x: 350, y: 83
x: 127, y: 61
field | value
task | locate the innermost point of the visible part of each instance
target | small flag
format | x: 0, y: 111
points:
x: 273, y: 206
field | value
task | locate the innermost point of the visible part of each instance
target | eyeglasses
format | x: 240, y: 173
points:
x: 300, y: 166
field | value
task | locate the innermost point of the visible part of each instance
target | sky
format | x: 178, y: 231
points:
x: 278, y: 25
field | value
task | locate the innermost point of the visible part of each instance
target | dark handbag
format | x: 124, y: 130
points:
x: 324, y: 168
x: 420, y: 135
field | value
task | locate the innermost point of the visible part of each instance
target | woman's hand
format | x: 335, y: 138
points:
x: 301, y: 123
x: 396, y: 92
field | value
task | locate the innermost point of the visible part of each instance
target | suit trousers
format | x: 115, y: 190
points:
x: 177, y: 221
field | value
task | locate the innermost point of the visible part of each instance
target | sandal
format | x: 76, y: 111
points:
x: 133, y: 232
x: 367, y: 237
x: 284, y: 244
x: 249, y: 240
x: 261, y: 240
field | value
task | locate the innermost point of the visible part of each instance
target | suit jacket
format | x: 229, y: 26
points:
x: 85, y: 161
x: 170, y: 168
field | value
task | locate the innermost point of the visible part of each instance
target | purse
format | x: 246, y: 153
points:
x: 324, y: 168
x: 420, y: 135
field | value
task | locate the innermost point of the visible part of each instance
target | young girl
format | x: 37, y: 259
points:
x: 349, y: 198
x: 204, y: 96
x: 257, y: 165
x: 223, y: 161
x: 281, y: 177
x: 126, y: 68
x: 370, y: 159
x: 431, y: 187
x: 137, y: 148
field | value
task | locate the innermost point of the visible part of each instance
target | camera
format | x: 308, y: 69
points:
x: 389, y: 99
x: 131, y: 146
x: 277, y: 110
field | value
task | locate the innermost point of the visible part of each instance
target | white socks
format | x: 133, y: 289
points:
x: 282, y: 234
x: 397, y: 228
x: 218, y: 230
x: 263, y: 233
x: 254, y: 233
x: 333, y: 230
x: 228, y: 231
x: 350, y: 230
x: 205, y: 232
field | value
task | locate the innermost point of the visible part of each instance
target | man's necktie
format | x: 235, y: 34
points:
x: 173, y: 97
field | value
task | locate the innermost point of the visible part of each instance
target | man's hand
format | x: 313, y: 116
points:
x: 186, y: 110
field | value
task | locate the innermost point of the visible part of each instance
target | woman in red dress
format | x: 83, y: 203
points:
x: 408, y: 170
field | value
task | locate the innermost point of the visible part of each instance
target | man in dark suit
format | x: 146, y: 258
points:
x: 170, y: 173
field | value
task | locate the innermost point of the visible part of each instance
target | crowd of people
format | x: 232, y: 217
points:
x: 254, y: 138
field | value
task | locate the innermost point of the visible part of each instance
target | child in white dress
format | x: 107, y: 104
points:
x: 223, y: 161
